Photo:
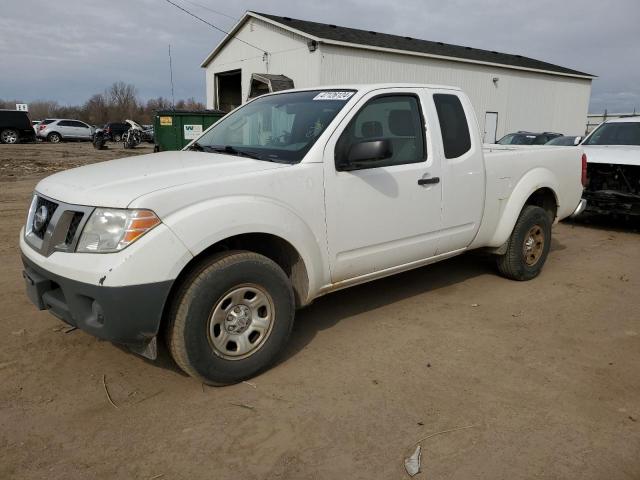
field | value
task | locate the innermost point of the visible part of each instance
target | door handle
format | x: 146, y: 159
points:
x: 428, y: 181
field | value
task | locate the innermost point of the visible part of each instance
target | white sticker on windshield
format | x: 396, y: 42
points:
x: 333, y: 95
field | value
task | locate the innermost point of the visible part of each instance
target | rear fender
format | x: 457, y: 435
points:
x: 529, y: 183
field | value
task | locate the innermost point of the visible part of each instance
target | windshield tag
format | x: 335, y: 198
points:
x: 333, y: 95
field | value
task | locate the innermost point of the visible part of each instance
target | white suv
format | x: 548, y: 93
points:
x: 60, y: 129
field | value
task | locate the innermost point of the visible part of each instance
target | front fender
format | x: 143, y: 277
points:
x: 203, y: 224
x: 530, y: 182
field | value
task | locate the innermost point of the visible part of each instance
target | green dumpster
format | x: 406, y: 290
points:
x: 174, y: 129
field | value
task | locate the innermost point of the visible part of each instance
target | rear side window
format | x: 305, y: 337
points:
x: 65, y: 123
x: 453, y: 125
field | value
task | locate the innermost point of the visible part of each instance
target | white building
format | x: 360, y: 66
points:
x: 509, y: 92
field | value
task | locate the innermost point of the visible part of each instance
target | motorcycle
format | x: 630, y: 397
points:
x: 132, y: 137
x: 99, y: 140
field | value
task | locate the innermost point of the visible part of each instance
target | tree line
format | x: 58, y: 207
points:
x: 117, y: 103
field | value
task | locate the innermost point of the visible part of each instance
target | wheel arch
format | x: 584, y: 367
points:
x: 271, y: 246
x: 55, y: 132
x: 538, y: 188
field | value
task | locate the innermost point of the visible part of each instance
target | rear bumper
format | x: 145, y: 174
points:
x: 129, y: 315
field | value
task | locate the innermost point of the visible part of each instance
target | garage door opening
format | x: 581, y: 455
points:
x: 228, y: 90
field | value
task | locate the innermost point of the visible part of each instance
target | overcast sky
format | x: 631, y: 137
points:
x: 67, y: 50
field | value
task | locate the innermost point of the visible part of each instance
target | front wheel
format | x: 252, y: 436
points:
x: 231, y: 318
x: 528, y: 245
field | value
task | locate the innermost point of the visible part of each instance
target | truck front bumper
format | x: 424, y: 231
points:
x: 129, y: 315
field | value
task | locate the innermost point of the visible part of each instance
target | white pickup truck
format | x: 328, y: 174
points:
x: 289, y: 197
x: 613, y: 168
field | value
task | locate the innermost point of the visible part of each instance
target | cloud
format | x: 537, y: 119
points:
x: 69, y: 53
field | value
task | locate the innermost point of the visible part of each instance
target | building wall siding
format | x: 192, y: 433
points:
x: 524, y: 100
x: 289, y: 55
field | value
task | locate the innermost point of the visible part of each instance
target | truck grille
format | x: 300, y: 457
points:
x: 55, y: 226
x: 73, y: 227
x: 50, y: 208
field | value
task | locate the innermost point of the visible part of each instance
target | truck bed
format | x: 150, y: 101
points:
x: 506, y: 166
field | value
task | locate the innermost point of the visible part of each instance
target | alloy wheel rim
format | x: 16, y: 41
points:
x: 241, y: 321
x: 533, y: 245
x: 9, y: 137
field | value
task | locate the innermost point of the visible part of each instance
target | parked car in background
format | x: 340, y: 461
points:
x: 15, y: 127
x: 114, y: 130
x: 148, y: 133
x: 527, y: 138
x: 565, y: 141
x: 215, y: 246
x: 613, y: 167
x: 57, y: 130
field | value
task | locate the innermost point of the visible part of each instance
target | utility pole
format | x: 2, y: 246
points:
x: 173, y: 100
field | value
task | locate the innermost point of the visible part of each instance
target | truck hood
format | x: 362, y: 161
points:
x: 117, y: 183
x: 613, y: 154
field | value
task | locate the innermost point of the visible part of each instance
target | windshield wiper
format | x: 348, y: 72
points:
x: 233, y: 151
x: 196, y: 147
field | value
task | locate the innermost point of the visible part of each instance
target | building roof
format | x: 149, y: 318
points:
x: 328, y: 33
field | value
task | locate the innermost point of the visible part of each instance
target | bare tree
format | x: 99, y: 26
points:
x: 122, y: 99
x: 96, y: 110
x: 116, y: 104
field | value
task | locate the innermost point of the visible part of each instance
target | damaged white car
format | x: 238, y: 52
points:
x: 613, y: 167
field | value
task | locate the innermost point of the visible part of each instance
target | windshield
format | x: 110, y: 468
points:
x: 278, y: 128
x: 517, y: 139
x: 617, y: 133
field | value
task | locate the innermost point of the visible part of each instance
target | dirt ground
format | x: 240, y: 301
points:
x: 545, y: 373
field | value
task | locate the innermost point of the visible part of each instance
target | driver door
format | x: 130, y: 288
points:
x: 384, y: 213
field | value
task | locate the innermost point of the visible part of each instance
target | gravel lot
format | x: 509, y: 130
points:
x: 546, y: 372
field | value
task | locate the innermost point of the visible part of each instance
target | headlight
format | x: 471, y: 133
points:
x: 111, y: 229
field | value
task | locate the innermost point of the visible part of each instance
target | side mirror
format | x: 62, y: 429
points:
x: 369, y: 151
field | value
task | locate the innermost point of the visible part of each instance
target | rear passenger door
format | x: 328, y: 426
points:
x: 386, y: 213
x: 463, y: 171
x: 66, y: 128
x: 82, y: 130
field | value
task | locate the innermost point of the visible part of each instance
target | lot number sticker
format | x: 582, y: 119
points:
x: 333, y: 95
x: 191, y: 132
x: 166, y: 121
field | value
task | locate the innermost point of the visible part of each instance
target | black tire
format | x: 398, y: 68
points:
x: 528, y: 245
x: 117, y: 137
x: 191, y: 326
x: 9, y: 136
x: 54, y: 137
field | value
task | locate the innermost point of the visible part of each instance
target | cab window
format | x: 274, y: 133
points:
x: 396, y: 118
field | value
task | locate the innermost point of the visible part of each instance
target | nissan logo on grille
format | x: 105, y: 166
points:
x: 40, y: 218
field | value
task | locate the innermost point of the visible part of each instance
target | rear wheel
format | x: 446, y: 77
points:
x: 231, y: 318
x: 9, y: 136
x: 117, y: 137
x: 54, y: 138
x: 528, y: 245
